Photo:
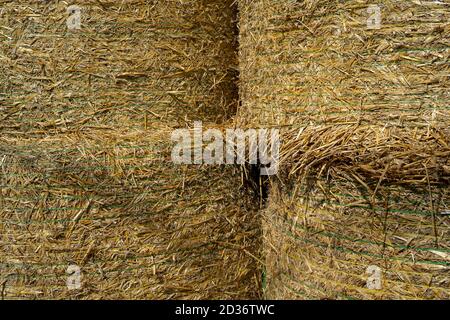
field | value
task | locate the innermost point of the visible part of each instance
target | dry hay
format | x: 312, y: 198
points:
x: 86, y: 176
x: 133, y: 60
x: 365, y: 155
x: 137, y: 225
x: 322, y: 240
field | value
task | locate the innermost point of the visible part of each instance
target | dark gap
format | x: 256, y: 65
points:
x: 254, y: 183
x: 258, y: 183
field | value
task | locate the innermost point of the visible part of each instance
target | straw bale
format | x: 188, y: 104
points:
x: 136, y: 224
x: 321, y: 242
x: 133, y: 60
x: 365, y: 155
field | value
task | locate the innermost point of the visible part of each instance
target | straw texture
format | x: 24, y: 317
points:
x: 86, y: 176
x: 365, y: 156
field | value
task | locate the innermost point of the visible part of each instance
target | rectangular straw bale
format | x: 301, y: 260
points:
x: 365, y: 158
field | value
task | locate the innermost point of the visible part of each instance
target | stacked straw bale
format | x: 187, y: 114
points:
x: 365, y: 156
x: 86, y: 177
